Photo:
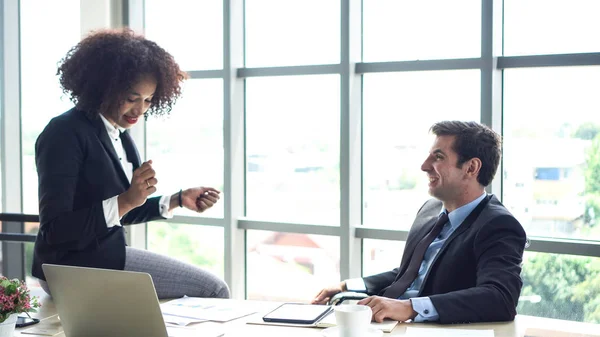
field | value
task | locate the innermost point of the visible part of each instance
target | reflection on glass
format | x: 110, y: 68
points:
x: 198, y: 245
x: 29, y: 279
x: 551, y: 27
x: 186, y: 147
x: 561, y: 286
x: 552, y: 150
x: 381, y: 255
x: 398, y: 110
x: 419, y: 30
x: 30, y: 228
x: 280, y: 33
x: 292, y: 148
x: 191, y: 31
x: 41, y: 96
x: 290, y: 267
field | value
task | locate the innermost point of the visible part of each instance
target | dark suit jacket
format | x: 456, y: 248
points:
x: 475, y: 276
x: 77, y: 169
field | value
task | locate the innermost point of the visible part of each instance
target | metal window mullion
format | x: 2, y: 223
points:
x: 133, y: 17
x: 420, y: 65
x: 100, y: 14
x: 555, y: 60
x: 233, y: 145
x: 247, y: 224
x: 350, y: 139
x: 491, y: 77
x: 13, y: 256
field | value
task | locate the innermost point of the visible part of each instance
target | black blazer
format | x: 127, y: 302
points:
x: 475, y: 276
x: 78, y: 168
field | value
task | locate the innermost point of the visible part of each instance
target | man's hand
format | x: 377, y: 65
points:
x: 383, y: 307
x: 324, y: 295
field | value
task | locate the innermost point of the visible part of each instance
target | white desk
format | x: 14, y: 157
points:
x: 239, y: 328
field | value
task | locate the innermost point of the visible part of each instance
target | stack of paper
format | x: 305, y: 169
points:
x: 187, y: 310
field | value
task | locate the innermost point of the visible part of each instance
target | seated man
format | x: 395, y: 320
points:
x: 462, y: 259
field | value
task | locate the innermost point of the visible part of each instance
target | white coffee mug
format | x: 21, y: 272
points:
x: 352, y: 320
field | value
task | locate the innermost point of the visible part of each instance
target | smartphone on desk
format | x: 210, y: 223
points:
x: 23, y: 321
x: 297, y: 313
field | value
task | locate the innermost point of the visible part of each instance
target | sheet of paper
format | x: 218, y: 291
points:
x: 427, y: 332
x: 181, y: 321
x: 204, y: 309
x: 47, y: 327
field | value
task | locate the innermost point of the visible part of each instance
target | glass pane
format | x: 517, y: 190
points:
x: 29, y: 279
x: 381, y: 255
x: 41, y: 96
x: 199, y: 245
x: 418, y: 30
x: 192, y: 31
x: 290, y: 32
x: 292, y: 148
x: 186, y: 147
x: 551, y: 163
x: 30, y: 228
x: 561, y: 286
x: 551, y: 27
x: 398, y: 110
x: 290, y: 267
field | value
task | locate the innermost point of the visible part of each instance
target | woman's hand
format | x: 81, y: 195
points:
x: 142, y: 185
x: 199, y: 199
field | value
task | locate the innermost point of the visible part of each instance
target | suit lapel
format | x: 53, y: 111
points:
x: 462, y: 227
x: 419, y: 234
x: 109, y: 147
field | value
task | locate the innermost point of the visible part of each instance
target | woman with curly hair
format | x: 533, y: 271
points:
x: 91, y: 180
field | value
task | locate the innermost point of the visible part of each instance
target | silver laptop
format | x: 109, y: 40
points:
x: 102, y: 302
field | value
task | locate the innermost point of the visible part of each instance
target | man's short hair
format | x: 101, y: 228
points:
x: 473, y: 140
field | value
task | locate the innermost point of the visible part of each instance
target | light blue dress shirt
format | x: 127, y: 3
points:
x: 426, y: 312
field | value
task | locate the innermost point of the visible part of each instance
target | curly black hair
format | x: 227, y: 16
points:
x: 97, y: 73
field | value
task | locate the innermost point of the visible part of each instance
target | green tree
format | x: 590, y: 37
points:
x: 554, y: 278
x: 588, y: 292
x: 587, y: 131
x: 592, y: 183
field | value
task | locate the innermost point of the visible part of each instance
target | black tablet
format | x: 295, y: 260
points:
x: 297, y: 313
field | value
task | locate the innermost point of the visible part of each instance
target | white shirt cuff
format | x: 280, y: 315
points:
x: 163, y: 207
x: 356, y: 285
x: 110, y: 207
x: 425, y: 310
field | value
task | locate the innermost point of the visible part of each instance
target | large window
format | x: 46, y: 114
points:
x: 290, y: 266
x: 288, y: 33
x: 551, y: 27
x: 186, y: 147
x: 44, y: 42
x: 552, y: 150
x: 198, y: 245
x: 561, y: 286
x: 190, y: 30
x: 398, y: 110
x: 381, y: 255
x: 292, y: 149
x: 420, y: 30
